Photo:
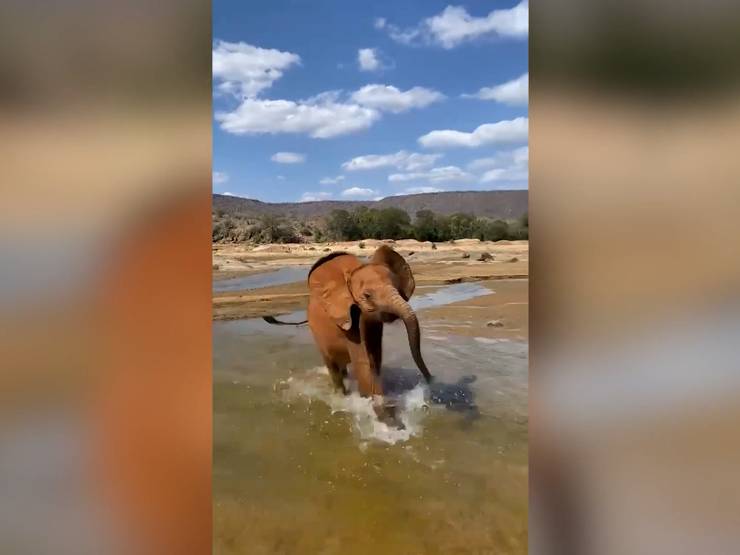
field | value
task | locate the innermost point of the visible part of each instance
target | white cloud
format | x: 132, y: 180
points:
x: 358, y: 192
x: 401, y: 160
x: 514, y: 92
x: 482, y: 163
x: 405, y: 36
x: 321, y: 117
x: 502, y: 132
x: 281, y: 177
x: 328, y: 114
x: 454, y: 25
x: 228, y: 194
x: 519, y: 156
x: 379, y: 23
x: 315, y: 196
x: 220, y: 178
x: 435, y: 175
x: 391, y: 99
x: 368, y: 60
x: 505, y: 174
x: 332, y: 180
x: 507, y: 166
x: 288, y: 158
x: 245, y: 70
x: 418, y: 190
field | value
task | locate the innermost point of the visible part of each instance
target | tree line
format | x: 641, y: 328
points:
x: 394, y: 223
x: 367, y: 223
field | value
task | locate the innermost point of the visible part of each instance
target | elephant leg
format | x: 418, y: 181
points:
x: 371, y: 333
x: 337, y: 374
x: 367, y: 380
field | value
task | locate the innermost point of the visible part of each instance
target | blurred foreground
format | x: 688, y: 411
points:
x: 635, y: 389
x: 105, y: 148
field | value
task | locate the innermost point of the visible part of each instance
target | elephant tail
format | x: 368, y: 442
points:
x: 273, y: 320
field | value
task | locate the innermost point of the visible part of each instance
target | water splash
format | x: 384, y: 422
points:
x: 411, y: 407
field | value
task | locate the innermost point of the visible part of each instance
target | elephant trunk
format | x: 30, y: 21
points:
x: 403, y: 310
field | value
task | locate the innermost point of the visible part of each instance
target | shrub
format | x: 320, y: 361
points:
x: 367, y: 223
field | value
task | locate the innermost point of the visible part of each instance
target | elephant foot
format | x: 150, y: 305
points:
x: 388, y: 415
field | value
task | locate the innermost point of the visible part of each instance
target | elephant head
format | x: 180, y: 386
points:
x: 381, y: 289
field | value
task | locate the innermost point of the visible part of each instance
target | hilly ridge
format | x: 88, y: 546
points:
x: 488, y: 204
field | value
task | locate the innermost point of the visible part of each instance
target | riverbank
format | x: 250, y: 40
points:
x: 433, y: 265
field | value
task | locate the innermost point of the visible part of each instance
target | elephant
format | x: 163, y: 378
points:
x: 349, y: 302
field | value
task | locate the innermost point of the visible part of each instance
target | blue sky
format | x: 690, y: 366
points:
x: 359, y: 100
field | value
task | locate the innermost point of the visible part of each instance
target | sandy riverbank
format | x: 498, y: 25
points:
x: 441, y: 264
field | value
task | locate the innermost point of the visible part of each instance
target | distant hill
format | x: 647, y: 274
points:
x: 490, y: 204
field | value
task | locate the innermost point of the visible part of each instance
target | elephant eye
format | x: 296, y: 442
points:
x: 367, y: 295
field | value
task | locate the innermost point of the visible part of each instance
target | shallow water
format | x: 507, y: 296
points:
x: 300, y: 469
x: 448, y: 294
x: 281, y: 276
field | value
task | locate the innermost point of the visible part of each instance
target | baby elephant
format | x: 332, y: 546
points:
x: 349, y: 303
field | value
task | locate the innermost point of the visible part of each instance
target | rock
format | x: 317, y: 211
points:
x: 434, y: 247
x: 410, y: 253
x: 465, y: 255
x: 495, y: 324
x: 515, y: 259
x: 216, y: 266
x: 327, y: 249
x: 485, y: 257
x: 312, y: 248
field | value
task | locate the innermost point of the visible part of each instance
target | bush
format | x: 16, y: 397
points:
x: 368, y: 223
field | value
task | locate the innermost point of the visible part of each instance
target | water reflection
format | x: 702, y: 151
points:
x: 288, y: 274
x: 449, y: 294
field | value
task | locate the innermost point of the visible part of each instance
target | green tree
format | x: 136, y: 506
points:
x: 461, y: 226
x: 497, y: 230
x: 425, y: 226
x: 340, y: 226
x: 367, y: 222
x: 270, y: 225
x: 394, y: 223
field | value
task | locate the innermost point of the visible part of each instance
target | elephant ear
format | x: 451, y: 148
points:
x: 337, y: 301
x: 328, y: 282
x: 396, y: 263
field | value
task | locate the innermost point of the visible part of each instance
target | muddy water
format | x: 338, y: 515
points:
x: 299, y: 469
x: 281, y: 276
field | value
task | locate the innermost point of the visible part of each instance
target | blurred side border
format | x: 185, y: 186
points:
x: 635, y: 287
x: 105, y: 124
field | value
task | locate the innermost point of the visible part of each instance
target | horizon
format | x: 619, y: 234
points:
x: 356, y: 102
x: 231, y: 195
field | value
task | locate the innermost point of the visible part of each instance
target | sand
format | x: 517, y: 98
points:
x: 431, y: 266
